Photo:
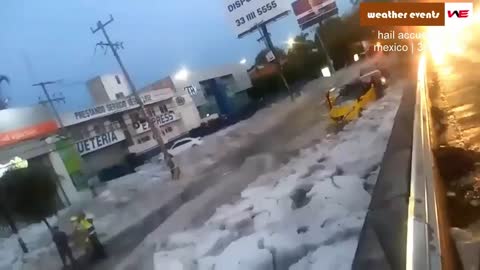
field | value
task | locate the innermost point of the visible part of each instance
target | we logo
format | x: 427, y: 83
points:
x: 458, y: 13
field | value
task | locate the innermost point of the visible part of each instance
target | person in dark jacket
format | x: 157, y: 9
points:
x: 60, y: 238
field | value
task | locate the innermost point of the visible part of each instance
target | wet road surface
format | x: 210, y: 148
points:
x: 454, y: 90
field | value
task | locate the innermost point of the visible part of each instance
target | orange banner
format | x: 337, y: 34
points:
x: 402, y: 14
x: 38, y: 130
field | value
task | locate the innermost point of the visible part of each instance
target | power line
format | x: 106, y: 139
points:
x: 51, y: 101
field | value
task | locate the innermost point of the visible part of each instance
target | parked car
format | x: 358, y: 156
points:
x: 183, y: 145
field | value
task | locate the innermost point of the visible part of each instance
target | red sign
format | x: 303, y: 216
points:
x: 32, y: 132
x: 311, y: 12
x: 458, y: 13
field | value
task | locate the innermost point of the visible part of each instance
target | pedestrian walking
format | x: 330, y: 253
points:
x: 96, y: 247
x: 60, y: 238
x: 174, y: 170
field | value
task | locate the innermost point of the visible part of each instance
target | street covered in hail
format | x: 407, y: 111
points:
x: 301, y: 201
x: 240, y: 135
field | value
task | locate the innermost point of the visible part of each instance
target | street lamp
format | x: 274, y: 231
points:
x: 181, y: 75
x: 243, y: 61
x: 290, y: 42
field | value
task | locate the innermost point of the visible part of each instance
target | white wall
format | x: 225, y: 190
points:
x: 239, y: 73
x: 188, y: 119
x: 97, y: 91
x: 189, y: 113
x: 112, y: 87
x: 104, y: 88
x: 64, y: 180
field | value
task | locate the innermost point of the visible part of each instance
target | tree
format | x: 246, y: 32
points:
x: 30, y: 194
x: 261, y: 58
x: 3, y: 100
x: 340, y: 34
x: 304, y: 59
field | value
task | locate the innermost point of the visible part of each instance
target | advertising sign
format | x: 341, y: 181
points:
x: 21, y: 124
x: 270, y: 56
x: 115, y: 107
x: 98, y: 142
x: 246, y: 14
x: 416, y: 14
x: 311, y: 12
x: 159, y: 120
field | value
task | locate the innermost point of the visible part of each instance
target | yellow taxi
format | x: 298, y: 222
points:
x: 347, y: 102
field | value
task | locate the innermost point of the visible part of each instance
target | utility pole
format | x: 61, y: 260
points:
x: 51, y: 101
x: 324, y: 48
x: 265, y: 35
x: 113, y: 46
x: 63, y: 131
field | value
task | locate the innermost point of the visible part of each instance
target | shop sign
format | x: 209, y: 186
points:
x: 98, y: 142
x: 159, y: 120
x: 126, y: 104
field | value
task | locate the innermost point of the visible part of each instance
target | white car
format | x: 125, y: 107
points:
x: 183, y: 145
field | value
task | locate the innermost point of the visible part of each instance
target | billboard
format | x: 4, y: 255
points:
x: 311, y: 12
x: 21, y: 124
x: 246, y: 14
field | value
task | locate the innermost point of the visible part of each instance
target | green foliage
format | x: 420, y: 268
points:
x: 261, y: 58
x: 340, y: 35
x: 304, y: 60
x: 30, y: 194
x: 268, y: 86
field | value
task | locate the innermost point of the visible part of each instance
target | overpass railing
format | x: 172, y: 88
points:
x: 401, y: 227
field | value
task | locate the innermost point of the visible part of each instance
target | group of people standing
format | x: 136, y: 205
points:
x: 84, y: 236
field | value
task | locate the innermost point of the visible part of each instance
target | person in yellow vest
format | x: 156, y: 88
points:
x: 94, y: 244
x: 79, y: 235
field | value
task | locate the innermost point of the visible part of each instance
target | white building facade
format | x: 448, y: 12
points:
x: 221, y: 90
x: 107, y: 88
x: 105, y: 134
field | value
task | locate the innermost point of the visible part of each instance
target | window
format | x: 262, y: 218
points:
x: 143, y: 139
x: 99, y: 129
x: 78, y: 134
x: 85, y: 133
x: 118, y: 79
x: 191, y: 90
x: 179, y: 143
x: 167, y: 130
x: 119, y: 95
x: 108, y: 126
x: 116, y: 125
x: 163, y: 108
x: 135, y: 117
x: 151, y: 112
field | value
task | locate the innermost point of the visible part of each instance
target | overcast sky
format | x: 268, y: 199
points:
x: 51, y: 39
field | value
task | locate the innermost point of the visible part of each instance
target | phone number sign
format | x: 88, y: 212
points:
x: 246, y: 14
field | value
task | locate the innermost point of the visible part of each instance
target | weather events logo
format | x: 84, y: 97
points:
x: 415, y: 14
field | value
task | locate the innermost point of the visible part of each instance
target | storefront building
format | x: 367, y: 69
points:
x: 107, y: 133
x: 30, y: 133
x: 222, y: 90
